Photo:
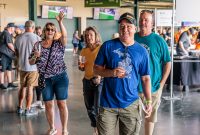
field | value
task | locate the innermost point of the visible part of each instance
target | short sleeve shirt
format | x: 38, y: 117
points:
x: 24, y: 46
x: 90, y: 56
x: 8, y: 37
x: 56, y: 64
x: 5, y: 38
x: 184, y: 38
x: 159, y: 55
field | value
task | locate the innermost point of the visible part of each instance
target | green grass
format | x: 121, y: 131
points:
x: 52, y: 14
x: 106, y: 16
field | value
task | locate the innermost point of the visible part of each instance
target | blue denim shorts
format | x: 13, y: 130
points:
x: 75, y: 45
x: 56, y: 85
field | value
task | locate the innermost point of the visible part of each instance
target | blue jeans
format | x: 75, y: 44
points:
x: 57, y: 85
x: 92, y: 99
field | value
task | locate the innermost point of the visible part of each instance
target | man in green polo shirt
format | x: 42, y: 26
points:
x: 159, y: 63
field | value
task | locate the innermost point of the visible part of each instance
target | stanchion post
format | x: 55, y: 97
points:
x: 172, y: 97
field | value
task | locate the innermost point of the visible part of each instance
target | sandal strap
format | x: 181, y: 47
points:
x: 65, y: 132
x: 53, y: 131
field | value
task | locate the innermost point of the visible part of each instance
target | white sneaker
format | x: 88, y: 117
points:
x: 52, y: 131
x: 41, y: 106
x: 36, y: 104
x: 65, y: 133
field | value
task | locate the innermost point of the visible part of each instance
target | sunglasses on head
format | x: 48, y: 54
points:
x: 49, y: 29
x: 146, y: 11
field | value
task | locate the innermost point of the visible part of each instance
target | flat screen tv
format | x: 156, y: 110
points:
x: 53, y: 11
x: 106, y: 13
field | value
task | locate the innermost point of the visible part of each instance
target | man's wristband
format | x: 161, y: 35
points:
x: 147, y: 102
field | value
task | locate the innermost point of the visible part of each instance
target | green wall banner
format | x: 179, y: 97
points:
x: 57, y: 0
x: 102, y: 3
x: 53, y: 11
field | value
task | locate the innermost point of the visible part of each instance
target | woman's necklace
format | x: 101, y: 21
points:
x: 47, y: 43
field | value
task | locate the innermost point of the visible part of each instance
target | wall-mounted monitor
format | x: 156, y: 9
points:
x: 53, y: 11
x: 106, y: 13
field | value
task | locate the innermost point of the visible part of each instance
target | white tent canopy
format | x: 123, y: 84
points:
x: 188, y: 10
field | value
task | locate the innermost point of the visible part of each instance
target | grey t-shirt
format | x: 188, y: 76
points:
x: 24, y: 46
x: 185, y: 39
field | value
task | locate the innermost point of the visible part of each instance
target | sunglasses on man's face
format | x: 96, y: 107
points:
x: 49, y: 29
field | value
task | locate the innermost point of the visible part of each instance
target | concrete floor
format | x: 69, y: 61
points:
x: 176, y: 117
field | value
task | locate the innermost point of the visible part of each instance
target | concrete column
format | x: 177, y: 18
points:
x: 2, y: 19
x: 83, y: 24
x: 32, y: 4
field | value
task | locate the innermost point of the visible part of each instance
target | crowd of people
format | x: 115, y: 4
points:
x: 123, y: 77
x: 186, y: 39
x: 35, y: 50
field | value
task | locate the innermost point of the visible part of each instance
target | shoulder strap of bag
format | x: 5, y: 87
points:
x: 49, y: 57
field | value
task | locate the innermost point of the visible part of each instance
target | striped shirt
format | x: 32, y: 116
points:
x: 56, y: 63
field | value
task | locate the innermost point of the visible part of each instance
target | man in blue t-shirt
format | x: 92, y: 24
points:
x: 159, y: 62
x: 122, y: 62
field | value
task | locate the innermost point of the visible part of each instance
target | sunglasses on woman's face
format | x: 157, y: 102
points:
x: 49, y: 29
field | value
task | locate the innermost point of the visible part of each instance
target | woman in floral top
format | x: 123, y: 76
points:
x: 54, y: 71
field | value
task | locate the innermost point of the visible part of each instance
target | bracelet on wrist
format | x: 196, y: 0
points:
x: 34, y: 57
x: 147, y: 102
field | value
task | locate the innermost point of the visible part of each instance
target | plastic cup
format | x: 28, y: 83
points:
x: 82, y: 61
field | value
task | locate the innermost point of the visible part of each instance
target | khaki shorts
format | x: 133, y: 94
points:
x: 28, y: 79
x: 129, y: 119
x: 156, y: 99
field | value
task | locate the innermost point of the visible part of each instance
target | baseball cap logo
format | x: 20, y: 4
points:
x: 129, y: 17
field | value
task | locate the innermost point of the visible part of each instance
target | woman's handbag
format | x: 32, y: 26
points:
x: 41, y: 79
x: 41, y: 82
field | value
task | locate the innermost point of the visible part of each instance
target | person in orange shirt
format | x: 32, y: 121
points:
x: 197, y: 46
x: 198, y: 41
x: 178, y: 34
x: 91, y: 83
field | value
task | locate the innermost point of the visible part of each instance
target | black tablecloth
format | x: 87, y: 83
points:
x: 186, y: 73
